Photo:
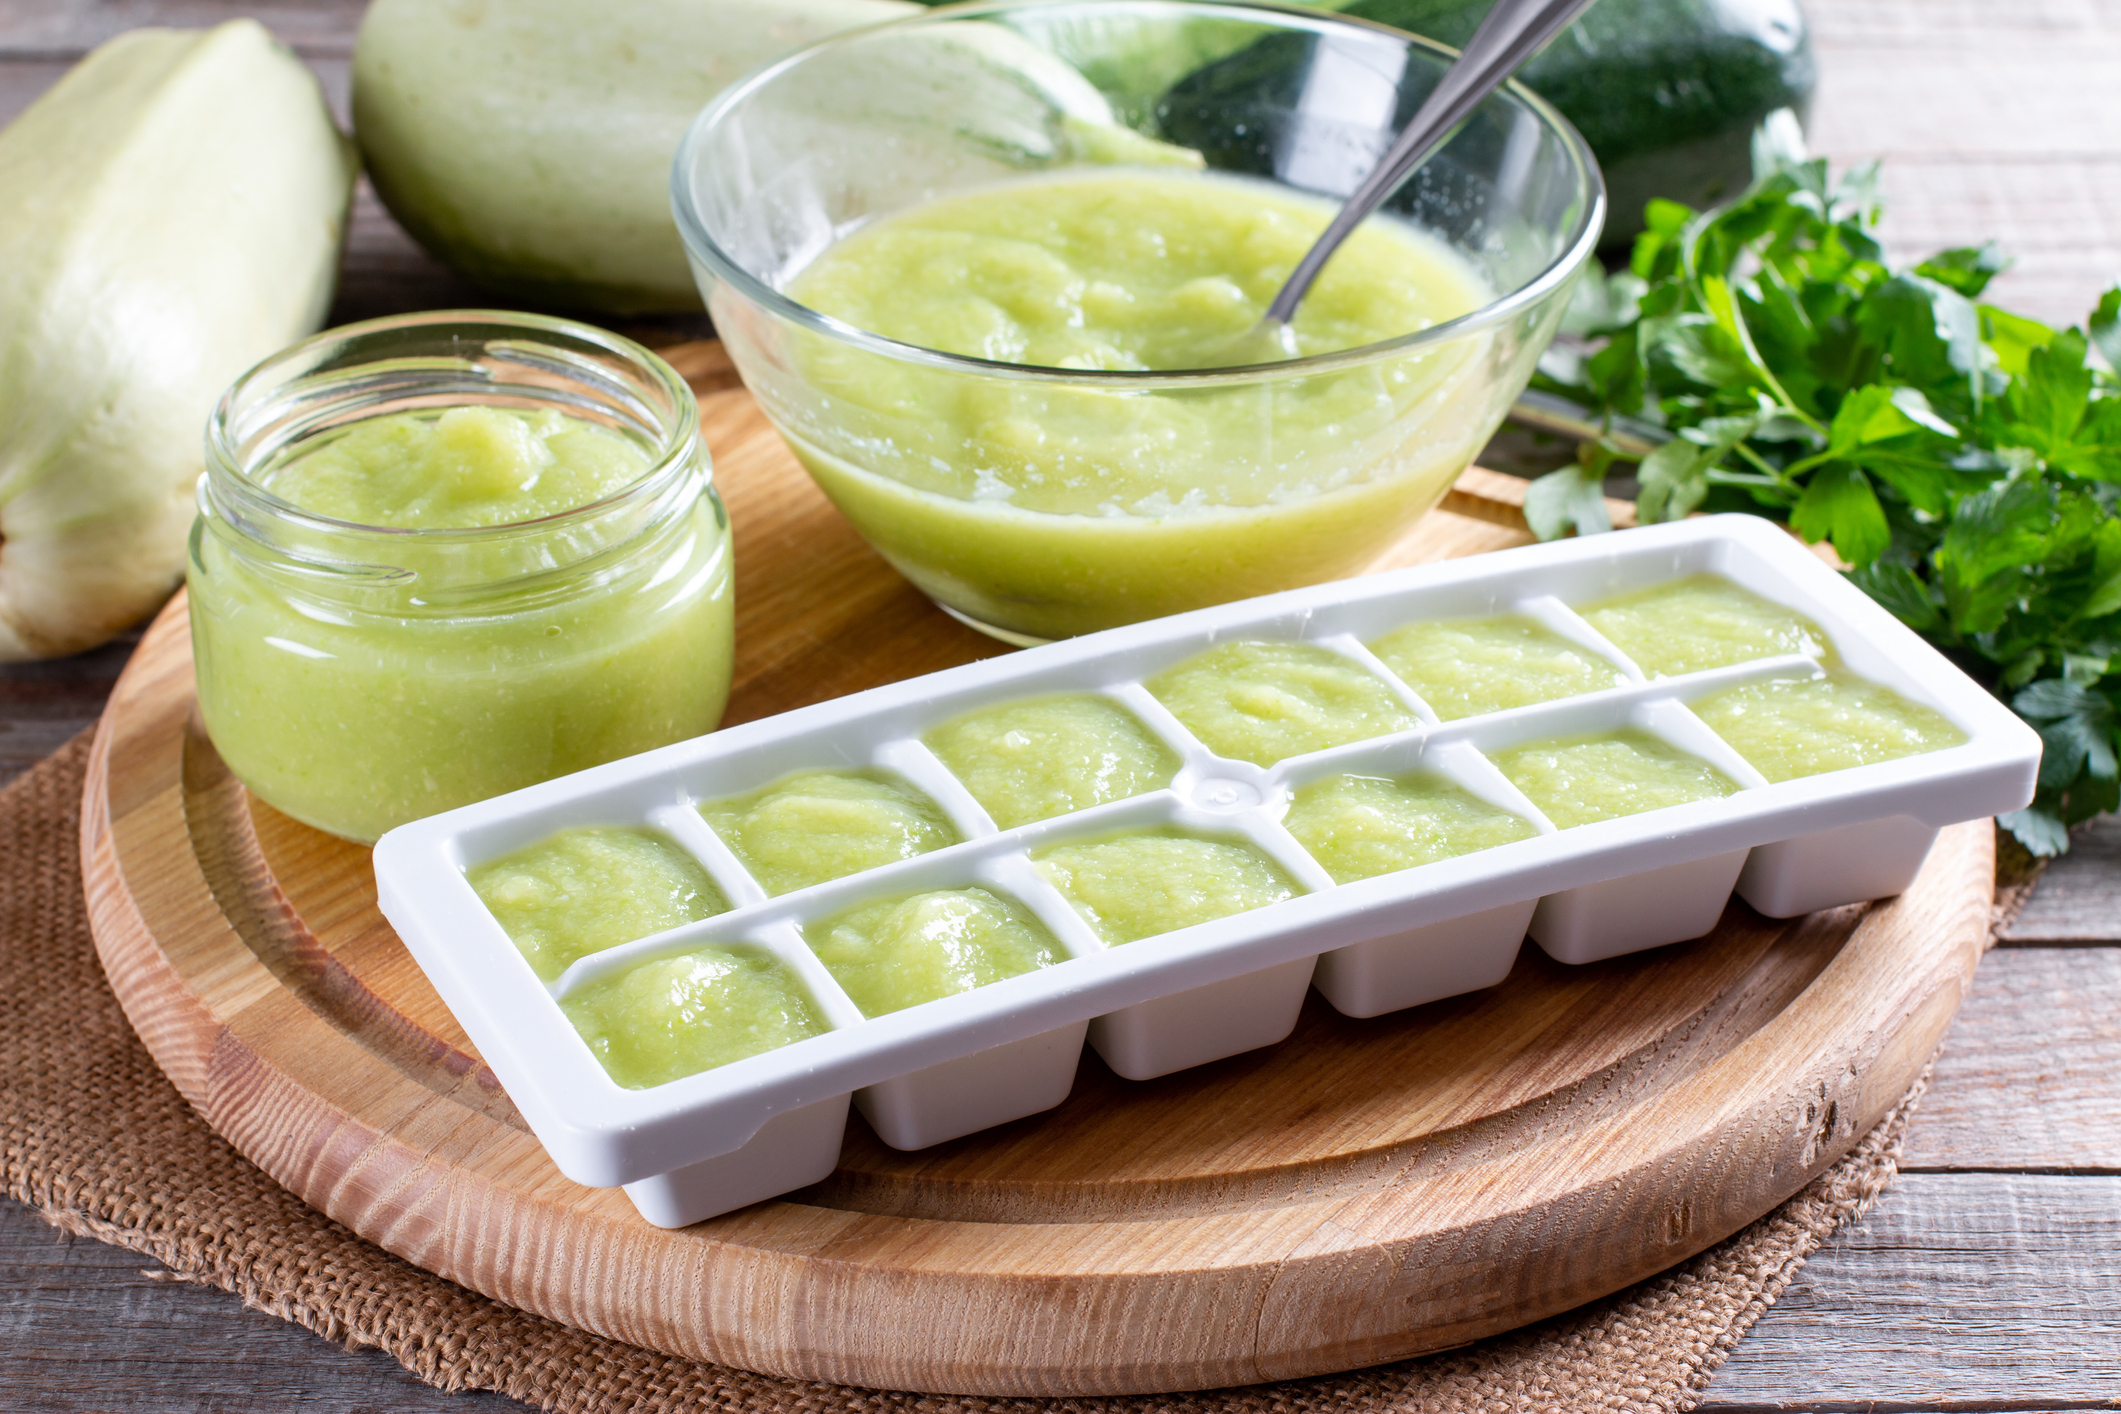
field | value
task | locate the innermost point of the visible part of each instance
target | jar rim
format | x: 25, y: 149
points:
x: 228, y: 469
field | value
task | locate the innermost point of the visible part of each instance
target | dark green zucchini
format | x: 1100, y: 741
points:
x: 1667, y: 92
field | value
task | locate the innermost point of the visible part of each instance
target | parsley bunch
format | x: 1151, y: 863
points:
x: 1963, y: 460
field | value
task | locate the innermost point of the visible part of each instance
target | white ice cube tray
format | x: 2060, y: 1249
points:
x: 769, y: 1123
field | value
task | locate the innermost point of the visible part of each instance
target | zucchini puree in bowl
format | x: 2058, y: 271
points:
x: 1049, y: 508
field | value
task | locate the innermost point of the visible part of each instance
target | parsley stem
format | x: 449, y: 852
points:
x: 1544, y: 412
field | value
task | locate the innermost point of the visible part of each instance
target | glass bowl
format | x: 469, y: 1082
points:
x: 1038, y: 503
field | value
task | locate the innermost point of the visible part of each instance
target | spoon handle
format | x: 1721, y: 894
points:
x: 1513, y: 31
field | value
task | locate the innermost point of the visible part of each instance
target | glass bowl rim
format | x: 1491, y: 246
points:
x: 1577, y: 247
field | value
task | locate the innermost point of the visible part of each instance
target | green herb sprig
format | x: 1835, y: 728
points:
x: 1963, y: 460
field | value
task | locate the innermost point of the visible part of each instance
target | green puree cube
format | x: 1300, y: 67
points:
x: 1265, y: 702
x: 1604, y: 778
x: 677, y: 1016
x: 898, y: 952
x: 1466, y: 667
x: 1137, y: 885
x: 1361, y: 826
x: 1791, y: 727
x: 818, y: 825
x: 1703, y: 621
x: 583, y: 890
x: 1026, y: 761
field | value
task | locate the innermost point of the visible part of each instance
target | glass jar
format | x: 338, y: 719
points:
x: 356, y: 677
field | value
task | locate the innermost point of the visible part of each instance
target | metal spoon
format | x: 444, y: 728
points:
x: 1512, y: 33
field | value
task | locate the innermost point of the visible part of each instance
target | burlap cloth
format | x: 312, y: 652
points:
x: 103, y: 1146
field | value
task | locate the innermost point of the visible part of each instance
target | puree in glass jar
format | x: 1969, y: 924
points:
x: 1603, y: 778
x: 819, y: 825
x: 583, y: 890
x: 470, y: 466
x: 1358, y: 827
x: 890, y: 954
x: 1264, y: 702
x: 1703, y: 621
x: 1026, y: 761
x: 357, y: 700
x: 1137, y: 885
x: 1791, y: 727
x: 1465, y: 667
x: 677, y: 1016
x: 1050, y: 510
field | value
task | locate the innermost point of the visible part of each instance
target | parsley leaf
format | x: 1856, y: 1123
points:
x: 1573, y: 497
x: 1839, y: 505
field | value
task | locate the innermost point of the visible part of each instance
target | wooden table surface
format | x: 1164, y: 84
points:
x: 1988, y: 1277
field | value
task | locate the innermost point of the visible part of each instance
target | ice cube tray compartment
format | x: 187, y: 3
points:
x: 770, y: 1122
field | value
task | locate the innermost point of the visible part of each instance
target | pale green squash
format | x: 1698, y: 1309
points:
x: 171, y: 212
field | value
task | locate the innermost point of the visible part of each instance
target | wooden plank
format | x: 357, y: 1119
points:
x: 44, y: 704
x: 21, y: 80
x: 1956, y: 24
x: 68, y: 28
x: 2030, y: 1077
x: 85, y: 1327
x: 2056, y: 216
x: 82, y: 1327
x: 1958, y: 1291
x: 2078, y: 899
x: 23, y: 77
x: 384, y: 271
x: 1994, y: 123
x: 2016, y: 93
x: 327, y: 26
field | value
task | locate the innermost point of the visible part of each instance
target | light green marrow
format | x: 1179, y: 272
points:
x: 170, y: 213
x: 528, y: 142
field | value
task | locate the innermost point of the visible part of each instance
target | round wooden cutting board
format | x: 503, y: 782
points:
x: 1364, y: 1191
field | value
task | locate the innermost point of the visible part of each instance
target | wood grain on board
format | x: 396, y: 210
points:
x: 1368, y: 1189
